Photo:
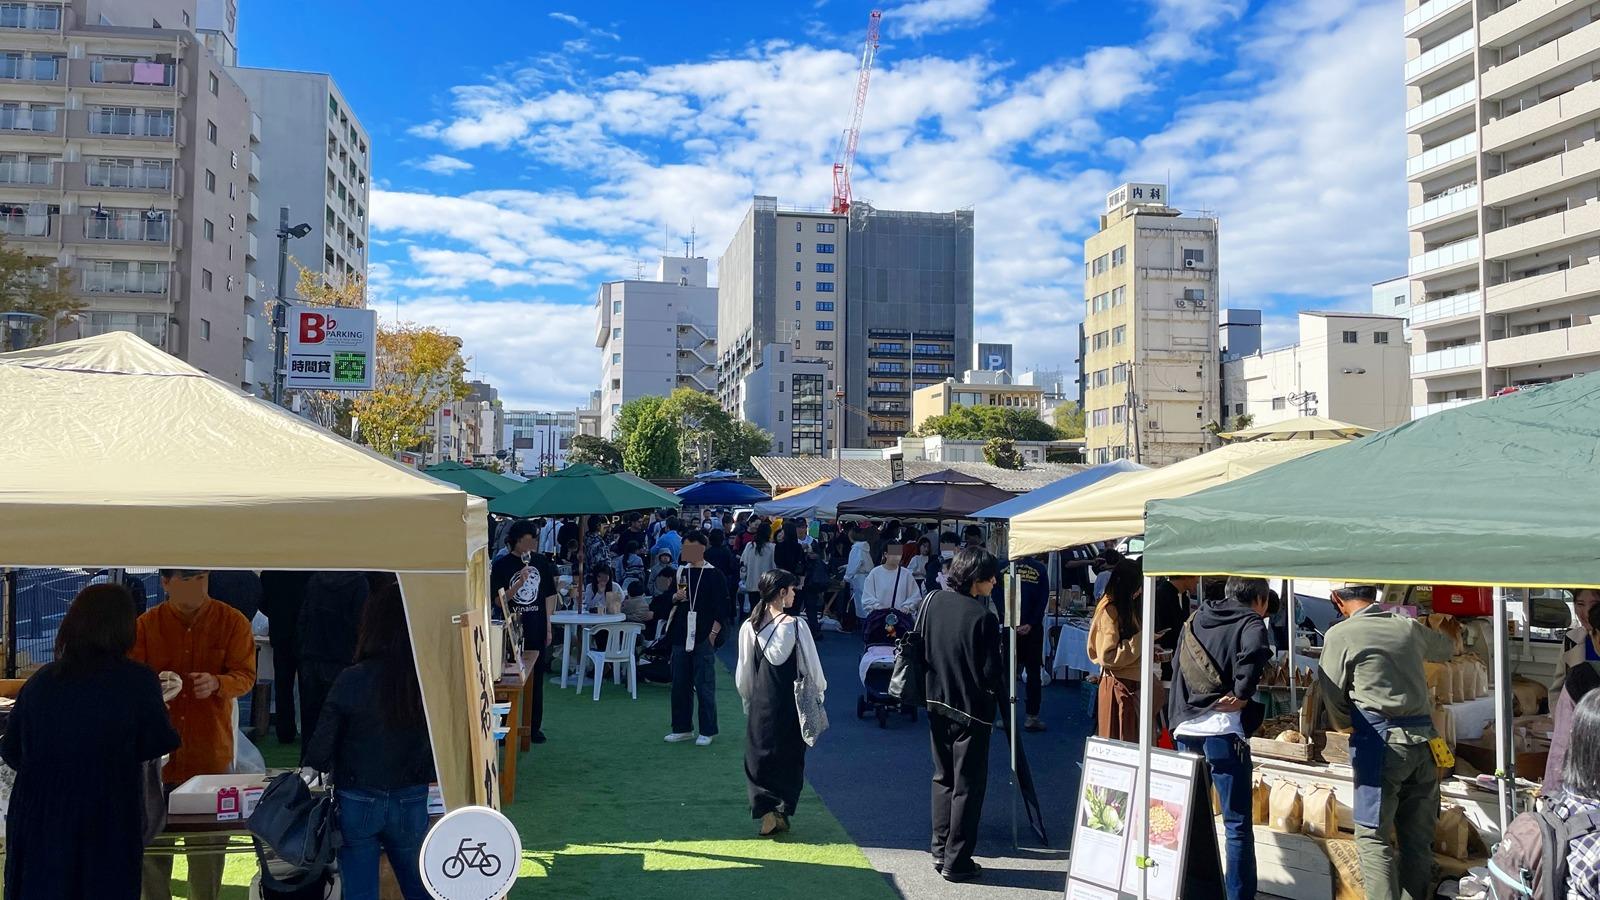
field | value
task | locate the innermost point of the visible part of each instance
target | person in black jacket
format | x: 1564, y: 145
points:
x: 282, y: 596
x: 373, y: 736
x: 720, y: 555
x: 329, y: 624
x: 964, y: 682
x: 1035, y: 600
x: 1222, y: 653
x: 702, y: 594
x: 522, y: 555
x: 240, y: 589
x: 1174, y: 598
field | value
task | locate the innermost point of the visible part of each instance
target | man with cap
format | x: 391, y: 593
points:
x: 1373, y: 683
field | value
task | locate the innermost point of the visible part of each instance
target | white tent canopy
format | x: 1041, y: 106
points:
x: 119, y: 455
x: 815, y: 501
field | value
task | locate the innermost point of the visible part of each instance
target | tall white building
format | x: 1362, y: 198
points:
x: 656, y: 336
x: 540, y: 440
x: 309, y: 153
x: 1352, y: 367
x: 1502, y: 120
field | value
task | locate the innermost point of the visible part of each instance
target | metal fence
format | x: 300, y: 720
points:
x: 37, y: 599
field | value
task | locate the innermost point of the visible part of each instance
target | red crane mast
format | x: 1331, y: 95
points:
x: 845, y: 159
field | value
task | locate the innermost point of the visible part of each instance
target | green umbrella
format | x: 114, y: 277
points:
x: 477, y: 482
x: 582, y: 490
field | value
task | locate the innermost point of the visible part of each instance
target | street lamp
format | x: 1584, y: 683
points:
x: 17, y: 324
x: 280, y: 313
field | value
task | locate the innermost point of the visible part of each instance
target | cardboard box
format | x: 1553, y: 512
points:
x: 198, y: 795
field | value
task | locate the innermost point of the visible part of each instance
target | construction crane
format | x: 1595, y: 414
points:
x: 845, y: 159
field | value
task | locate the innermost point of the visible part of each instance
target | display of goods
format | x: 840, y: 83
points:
x: 1464, y: 673
x: 1444, y: 722
x: 1275, y: 726
x: 1166, y: 821
x: 1448, y: 626
x: 1260, y: 800
x: 1320, y: 812
x: 1450, y: 835
x: 1285, y: 811
x: 1480, y: 677
x: 1439, y: 682
x: 1347, y: 884
x: 1528, y: 697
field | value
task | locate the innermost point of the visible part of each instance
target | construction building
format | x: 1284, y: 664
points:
x: 1150, y: 327
x: 976, y: 388
x: 1348, y: 366
x: 1503, y: 110
x: 656, y: 336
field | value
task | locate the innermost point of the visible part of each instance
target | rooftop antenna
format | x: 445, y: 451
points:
x: 638, y: 268
x: 691, y: 241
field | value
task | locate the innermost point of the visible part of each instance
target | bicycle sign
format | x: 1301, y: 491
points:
x: 471, y: 854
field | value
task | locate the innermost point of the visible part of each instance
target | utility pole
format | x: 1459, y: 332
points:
x: 280, y: 312
x: 1132, y: 415
x: 838, y: 436
x: 1307, y: 401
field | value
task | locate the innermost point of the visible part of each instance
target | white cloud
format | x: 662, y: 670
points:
x: 439, y: 164
x: 585, y: 27
x: 934, y: 16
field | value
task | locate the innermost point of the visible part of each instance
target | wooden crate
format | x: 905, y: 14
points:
x: 1277, y: 749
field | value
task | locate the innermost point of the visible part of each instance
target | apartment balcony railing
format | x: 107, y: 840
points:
x: 255, y: 127
x: 1544, y: 346
x: 255, y: 165
x: 1446, y: 308
x: 99, y: 176
x: 36, y: 18
x: 1460, y: 148
x: 889, y: 370
x: 1429, y: 409
x: 1450, y: 101
x: 160, y: 125
x: 255, y: 206
x: 1443, y: 205
x: 1429, y: 11
x: 143, y: 74
x: 18, y: 172
x: 252, y: 287
x: 1441, y: 257
x: 34, y: 227
x: 100, y: 281
x: 138, y: 228
x: 251, y: 246
x: 252, y: 327
x: 38, y: 69
x: 1440, y: 54
x: 36, y: 120
x: 1465, y: 356
x: 885, y: 392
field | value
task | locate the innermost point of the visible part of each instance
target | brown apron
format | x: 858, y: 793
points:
x: 1118, y: 707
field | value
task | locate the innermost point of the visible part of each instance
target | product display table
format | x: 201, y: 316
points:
x: 1072, y: 649
x: 513, y: 688
x: 576, y: 622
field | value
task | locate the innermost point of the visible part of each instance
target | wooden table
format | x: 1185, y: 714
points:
x: 514, y: 688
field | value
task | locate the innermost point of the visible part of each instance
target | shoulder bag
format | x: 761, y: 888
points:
x: 907, y: 683
x: 301, y: 829
x: 808, y: 701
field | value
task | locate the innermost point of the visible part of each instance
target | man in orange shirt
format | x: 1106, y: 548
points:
x: 209, y: 645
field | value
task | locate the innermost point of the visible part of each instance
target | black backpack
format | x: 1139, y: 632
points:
x: 302, y: 831
x: 1530, y: 862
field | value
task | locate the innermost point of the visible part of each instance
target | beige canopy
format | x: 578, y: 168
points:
x: 119, y: 455
x: 1114, y: 508
x: 1301, y: 428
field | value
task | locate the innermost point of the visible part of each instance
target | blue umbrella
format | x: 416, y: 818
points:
x: 719, y: 493
x: 1055, y: 490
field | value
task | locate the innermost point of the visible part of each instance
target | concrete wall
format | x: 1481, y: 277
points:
x: 1364, y: 383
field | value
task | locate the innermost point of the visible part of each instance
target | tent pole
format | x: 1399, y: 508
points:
x: 1503, y: 769
x: 1293, y: 632
x: 1147, y: 728
x: 10, y: 582
x: 1013, y: 603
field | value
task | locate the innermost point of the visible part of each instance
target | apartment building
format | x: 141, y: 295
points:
x: 977, y: 388
x: 1502, y: 120
x: 1150, y: 360
x: 1393, y: 298
x: 656, y: 336
x: 310, y: 153
x: 540, y: 440
x: 123, y: 147
x: 900, y: 363
x: 1351, y: 367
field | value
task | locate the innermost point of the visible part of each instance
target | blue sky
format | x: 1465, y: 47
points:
x: 525, y: 152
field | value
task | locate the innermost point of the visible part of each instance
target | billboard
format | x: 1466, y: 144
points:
x: 331, y: 349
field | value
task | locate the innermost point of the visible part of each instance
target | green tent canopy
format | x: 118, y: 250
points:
x: 477, y: 482
x: 582, y: 490
x: 1500, y: 492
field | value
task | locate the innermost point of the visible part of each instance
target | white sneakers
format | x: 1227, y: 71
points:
x: 678, y: 737
x: 703, y: 740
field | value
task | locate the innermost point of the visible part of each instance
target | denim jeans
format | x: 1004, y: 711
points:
x: 1229, y: 757
x: 391, y: 821
x: 694, y: 677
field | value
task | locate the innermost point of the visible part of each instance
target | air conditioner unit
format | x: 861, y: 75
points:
x: 1190, y: 263
x: 1179, y: 303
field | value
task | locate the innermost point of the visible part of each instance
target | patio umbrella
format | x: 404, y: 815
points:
x: 581, y: 491
x: 1302, y: 428
x: 947, y: 494
x: 720, y: 492
x: 477, y: 482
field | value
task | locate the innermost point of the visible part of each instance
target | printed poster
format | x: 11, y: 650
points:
x: 1168, y: 810
x: 1100, y: 833
x: 1077, y: 890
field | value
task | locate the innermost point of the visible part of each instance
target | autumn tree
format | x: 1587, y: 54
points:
x: 330, y: 409
x: 33, y: 285
x: 418, y: 369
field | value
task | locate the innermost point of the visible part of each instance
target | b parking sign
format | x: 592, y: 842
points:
x: 331, y: 348
x: 472, y: 854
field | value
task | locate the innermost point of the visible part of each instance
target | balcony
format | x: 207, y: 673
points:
x: 1544, y: 232
x: 1545, y: 346
x: 126, y: 228
x: 1455, y: 151
x: 1453, y: 101
x: 1518, y: 20
x: 884, y: 392
x: 96, y: 176
x: 159, y: 126
x: 1542, y: 120
x: 1450, y: 256
x: 255, y: 166
x: 1429, y: 13
x: 1543, y: 62
x: 938, y: 354
x: 103, y: 282
x: 248, y: 377
x: 252, y: 328
x: 255, y: 207
x: 251, y: 246
x: 36, y: 70
x: 1453, y: 204
x: 252, y: 287
x: 41, y: 121
x: 145, y: 75
x: 1543, y: 290
x: 882, y: 371
x: 19, y: 226
x: 885, y: 432
x: 884, y: 353
x: 1467, y: 356
x: 37, y: 18
x: 1581, y: 163
x: 19, y: 173
x: 255, y: 127
x: 1439, y: 54
x: 1429, y: 409
x: 1446, y: 309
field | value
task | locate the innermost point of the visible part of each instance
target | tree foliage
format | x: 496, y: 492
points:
x: 595, y: 451
x: 1069, y: 421
x: 34, y: 285
x: 418, y: 369
x: 980, y: 423
x: 1002, y: 452
x: 652, y: 449
x: 330, y: 409
x: 702, y: 434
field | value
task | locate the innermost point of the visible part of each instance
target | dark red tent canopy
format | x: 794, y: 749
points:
x: 940, y: 495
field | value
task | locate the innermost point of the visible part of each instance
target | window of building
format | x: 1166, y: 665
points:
x: 780, y: 412
x: 824, y: 345
x: 824, y: 248
x: 1100, y: 265
x: 799, y: 286
x: 1118, y: 295
x: 888, y: 386
x: 824, y: 306
x: 209, y: 229
x: 825, y: 227
x: 797, y: 265
x: 212, y: 83
x: 1197, y: 296
x: 1100, y: 418
x: 1280, y: 403
x: 1102, y: 377
x: 1119, y: 374
x: 797, y: 225
x: 211, y: 131
x: 797, y: 306
x: 616, y: 384
x: 205, y: 279
x: 616, y: 359
x: 824, y: 325
x: 1193, y: 258
x: 799, y: 247
x: 1117, y: 414
x: 616, y: 307
x: 824, y: 287
x: 1119, y: 256
x: 1380, y: 337
x: 211, y: 181
x: 824, y: 267
x: 1101, y: 340
x: 1238, y: 409
x: 616, y: 334
x: 1350, y: 337
x: 780, y: 384
x: 205, y: 329
x: 1119, y: 334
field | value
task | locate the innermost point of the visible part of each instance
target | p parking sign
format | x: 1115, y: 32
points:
x: 331, y: 348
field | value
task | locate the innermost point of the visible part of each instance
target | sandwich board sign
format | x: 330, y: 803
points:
x: 473, y: 853
x: 331, y: 348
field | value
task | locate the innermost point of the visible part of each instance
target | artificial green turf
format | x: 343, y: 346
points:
x: 607, y: 810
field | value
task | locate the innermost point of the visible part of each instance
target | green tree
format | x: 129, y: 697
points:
x: 652, y: 449
x: 633, y: 414
x: 1002, y: 452
x: 594, y: 451
x: 747, y: 440
x: 1069, y: 421
x: 980, y: 423
x: 35, y: 286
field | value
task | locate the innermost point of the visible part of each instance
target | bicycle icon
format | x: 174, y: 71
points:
x: 471, y: 855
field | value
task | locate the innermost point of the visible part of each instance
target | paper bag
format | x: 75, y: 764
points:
x: 1260, y: 801
x: 1450, y: 835
x: 1285, y: 810
x: 1438, y: 675
x: 1347, y: 884
x: 1320, y: 812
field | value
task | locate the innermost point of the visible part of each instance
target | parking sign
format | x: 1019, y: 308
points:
x: 331, y: 348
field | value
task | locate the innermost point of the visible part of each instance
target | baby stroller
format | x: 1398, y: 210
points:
x: 882, y: 628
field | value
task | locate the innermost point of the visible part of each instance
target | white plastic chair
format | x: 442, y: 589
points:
x: 619, y: 641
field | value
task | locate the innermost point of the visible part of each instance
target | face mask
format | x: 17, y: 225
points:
x: 948, y: 554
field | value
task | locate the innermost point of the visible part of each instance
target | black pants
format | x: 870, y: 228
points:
x: 1030, y: 658
x: 285, y: 669
x: 960, y: 779
x: 809, y: 605
x: 316, y: 679
x: 540, y: 676
x: 694, y: 686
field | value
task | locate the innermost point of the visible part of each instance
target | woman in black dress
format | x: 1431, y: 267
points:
x: 81, y: 731
x: 775, y: 648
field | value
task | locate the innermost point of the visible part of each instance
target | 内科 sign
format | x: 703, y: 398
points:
x: 331, y: 348
x: 1137, y: 194
x: 473, y: 853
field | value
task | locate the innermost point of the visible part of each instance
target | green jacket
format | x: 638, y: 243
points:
x: 1374, y: 660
